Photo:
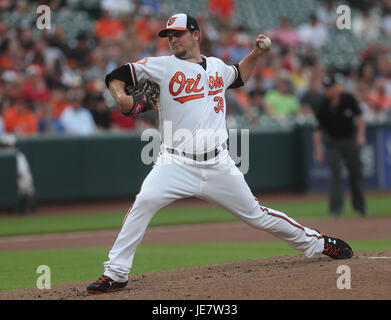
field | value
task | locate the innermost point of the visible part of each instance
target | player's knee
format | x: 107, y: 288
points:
x: 149, y: 200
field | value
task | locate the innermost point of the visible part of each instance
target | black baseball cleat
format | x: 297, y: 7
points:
x: 105, y: 284
x: 336, y: 248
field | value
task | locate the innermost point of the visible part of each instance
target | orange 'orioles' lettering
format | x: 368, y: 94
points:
x: 216, y: 82
x: 190, y: 85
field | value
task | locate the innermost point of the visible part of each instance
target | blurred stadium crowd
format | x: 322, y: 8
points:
x: 53, y: 80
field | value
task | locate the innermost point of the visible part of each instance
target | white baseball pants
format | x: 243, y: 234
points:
x: 218, y: 181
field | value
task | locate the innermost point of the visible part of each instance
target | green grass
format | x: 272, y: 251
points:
x: 379, y: 206
x: 106, y: 221
x: 18, y: 268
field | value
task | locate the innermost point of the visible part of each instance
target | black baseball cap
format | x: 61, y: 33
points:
x: 328, y: 81
x: 180, y: 21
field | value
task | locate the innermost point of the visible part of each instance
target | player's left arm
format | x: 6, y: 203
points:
x: 132, y: 97
x: 117, y: 90
x: 249, y: 62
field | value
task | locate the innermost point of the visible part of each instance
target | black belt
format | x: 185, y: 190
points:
x: 198, y: 157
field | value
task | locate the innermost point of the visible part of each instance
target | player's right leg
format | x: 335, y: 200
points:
x: 165, y: 183
x: 226, y: 186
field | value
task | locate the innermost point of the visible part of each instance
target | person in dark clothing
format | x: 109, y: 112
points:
x: 312, y: 98
x: 101, y: 114
x: 343, y: 139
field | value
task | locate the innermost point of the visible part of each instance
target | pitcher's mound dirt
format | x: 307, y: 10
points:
x: 287, y: 277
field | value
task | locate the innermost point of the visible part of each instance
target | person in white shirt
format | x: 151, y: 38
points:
x: 75, y: 118
x: 314, y: 33
x: 327, y: 13
x: 366, y: 25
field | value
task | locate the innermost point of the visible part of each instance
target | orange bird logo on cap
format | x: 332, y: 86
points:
x: 171, y: 21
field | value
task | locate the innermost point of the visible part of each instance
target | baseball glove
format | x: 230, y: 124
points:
x: 145, y: 96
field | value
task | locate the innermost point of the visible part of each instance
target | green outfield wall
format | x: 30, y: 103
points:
x: 109, y: 165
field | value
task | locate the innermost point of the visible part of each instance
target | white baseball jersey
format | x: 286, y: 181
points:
x: 192, y: 99
x: 192, y: 107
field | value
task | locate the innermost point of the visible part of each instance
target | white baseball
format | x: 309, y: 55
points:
x: 265, y: 43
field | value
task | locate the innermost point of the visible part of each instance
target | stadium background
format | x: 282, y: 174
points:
x: 44, y: 72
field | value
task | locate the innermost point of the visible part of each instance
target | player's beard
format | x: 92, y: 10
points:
x: 181, y: 54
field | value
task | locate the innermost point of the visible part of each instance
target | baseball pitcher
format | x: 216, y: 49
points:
x: 188, y: 91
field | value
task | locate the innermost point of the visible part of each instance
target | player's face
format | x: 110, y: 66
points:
x: 181, y: 43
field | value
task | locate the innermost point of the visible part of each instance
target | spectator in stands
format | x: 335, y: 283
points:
x: 118, y: 7
x: 256, y: 82
x: 47, y: 122
x: 108, y: 28
x: 120, y: 122
x: 366, y: 25
x: 207, y: 28
x: 327, y: 13
x: 50, y: 54
x: 99, y: 64
x: 153, y: 4
x: 256, y: 106
x: 280, y: 102
x: 76, y: 119
x: 268, y: 73
x: 386, y: 22
x: 284, y: 35
x: 53, y: 75
x: 289, y: 60
x: 367, y: 74
x: 101, y: 114
x: 5, y: 59
x: 60, y: 56
x: 26, y: 38
x: 35, y: 89
x: 308, y: 57
x: 300, y: 79
x: 2, y: 128
x: 379, y: 99
x: 368, y: 55
x: 10, y: 87
x: 79, y: 56
x: 383, y: 63
x: 18, y: 119
x: 59, y: 101
x: 146, y: 26
x: 362, y: 92
x: 240, y: 44
x: 58, y: 39
x: 349, y: 80
x: 312, y: 97
x: 3, y: 32
x: 223, y: 11
x: 313, y: 33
